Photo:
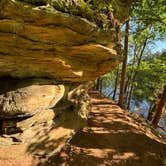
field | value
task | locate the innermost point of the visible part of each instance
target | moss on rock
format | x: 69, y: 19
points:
x: 97, y: 11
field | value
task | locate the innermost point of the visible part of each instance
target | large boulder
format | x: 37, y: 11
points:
x: 30, y: 100
x: 47, y: 131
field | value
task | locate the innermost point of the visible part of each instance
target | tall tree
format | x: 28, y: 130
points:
x: 151, y: 77
x: 124, y: 65
x: 147, y: 15
x: 159, y: 108
x: 136, y: 70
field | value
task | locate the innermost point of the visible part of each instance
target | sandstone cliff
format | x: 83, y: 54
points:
x: 48, y: 55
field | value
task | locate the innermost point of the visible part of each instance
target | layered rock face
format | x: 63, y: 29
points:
x: 42, y: 42
x: 47, y: 58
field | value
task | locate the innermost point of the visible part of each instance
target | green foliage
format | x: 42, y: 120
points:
x: 110, y: 7
x: 96, y: 11
x: 92, y: 11
x: 151, y: 13
x: 151, y: 77
x: 146, y: 72
x: 148, y: 22
x: 109, y: 79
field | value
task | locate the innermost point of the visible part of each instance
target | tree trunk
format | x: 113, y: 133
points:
x: 129, y: 80
x: 116, y: 82
x: 159, y: 108
x: 130, y: 96
x: 136, y: 71
x: 101, y: 85
x: 124, y: 65
x: 126, y: 87
x: 150, y: 111
x: 98, y: 84
x: 127, y: 90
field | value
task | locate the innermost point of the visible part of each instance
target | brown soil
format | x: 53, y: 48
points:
x: 113, y: 137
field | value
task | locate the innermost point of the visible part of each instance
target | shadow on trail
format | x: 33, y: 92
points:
x: 112, y: 138
x: 110, y: 142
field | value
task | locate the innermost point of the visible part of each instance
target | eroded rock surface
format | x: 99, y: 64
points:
x: 29, y: 100
x: 47, y: 58
x: 52, y: 115
x: 43, y: 42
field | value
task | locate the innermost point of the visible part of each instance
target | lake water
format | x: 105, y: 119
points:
x: 140, y: 108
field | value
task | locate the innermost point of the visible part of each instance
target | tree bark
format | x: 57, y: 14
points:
x: 126, y: 87
x: 124, y: 65
x: 116, y: 82
x: 150, y: 111
x: 98, y: 84
x: 130, y: 96
x: 159, y: 108
x: 101, y: 85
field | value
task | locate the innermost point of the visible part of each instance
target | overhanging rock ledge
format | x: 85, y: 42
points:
x: 47, y: 58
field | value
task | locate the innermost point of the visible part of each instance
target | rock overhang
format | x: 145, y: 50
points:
x: 43, y: 42
x: 45, y: 55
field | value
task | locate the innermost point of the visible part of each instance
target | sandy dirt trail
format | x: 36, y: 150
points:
x: 113, y: 137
